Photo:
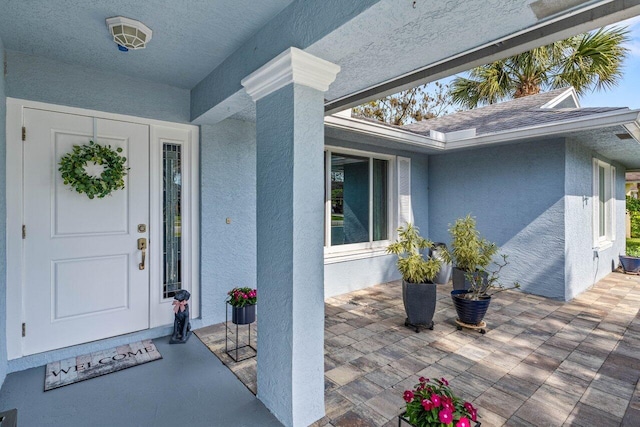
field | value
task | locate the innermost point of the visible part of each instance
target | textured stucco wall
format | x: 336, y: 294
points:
x: 45, y: 80
x: 290, y: 267
x: 300, y: 24
x: 584, y: 265
x: 3, y: 218
x: 517, y: 195
x: 348, y: 276
x: 227, y: 190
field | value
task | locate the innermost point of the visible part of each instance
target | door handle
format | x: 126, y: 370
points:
x: 142, y: 246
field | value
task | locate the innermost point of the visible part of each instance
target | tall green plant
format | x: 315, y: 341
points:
x: 633, y: 207
x: 469, y: 251
x: 411, y: 263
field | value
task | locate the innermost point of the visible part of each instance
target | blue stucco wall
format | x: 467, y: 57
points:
x: 585, y: 265
x: 227, y: 190
x: 300, y: 24
x: 45, y: 80
x: 348, y: 276
x: 517, y: 195
x: 3, y: 218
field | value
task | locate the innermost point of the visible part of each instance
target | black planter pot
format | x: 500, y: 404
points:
x: 630, y: 264
x: 444, y: 274
x: 469, y: 311
x: 419, y: 304
x: 460, y: 280
x: 243, y: 315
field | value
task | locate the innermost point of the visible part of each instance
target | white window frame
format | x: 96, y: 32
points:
x: 339, y: 253
x: 605, y: 241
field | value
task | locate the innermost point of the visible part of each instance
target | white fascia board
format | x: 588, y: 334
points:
x: 570, y: 92
x: 382, y: 131
x: 594, y: 121
x: 627, y: 118
x: 634, y: 129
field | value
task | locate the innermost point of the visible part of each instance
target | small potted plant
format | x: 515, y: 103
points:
x: 631, y: 261
x: 471, y: 304
x: 243, y: 305
x: 418, y: 289
x: 469, y: 251
x: 433, y: 404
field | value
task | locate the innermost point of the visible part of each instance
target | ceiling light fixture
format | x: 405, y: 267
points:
x: 129, y: 33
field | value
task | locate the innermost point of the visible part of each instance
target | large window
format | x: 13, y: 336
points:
x: 357, y: 199
x: 604, y: 196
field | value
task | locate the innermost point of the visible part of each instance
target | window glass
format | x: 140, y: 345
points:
x: 349, y: 199
x: 172, y: 221
x: 359, y: 198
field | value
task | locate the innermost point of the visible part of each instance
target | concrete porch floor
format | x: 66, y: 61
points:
x: 541, y: 363
x: 188, y: 386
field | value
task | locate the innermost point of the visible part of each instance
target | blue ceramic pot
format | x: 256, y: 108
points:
x: 630, y: 264
x: 469, y: 311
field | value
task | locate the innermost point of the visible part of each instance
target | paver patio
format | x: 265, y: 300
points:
x: 541, y: 363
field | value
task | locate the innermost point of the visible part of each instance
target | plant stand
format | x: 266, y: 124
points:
x: 480, y: 327
x: 417, y: 327
x: 237, y: 345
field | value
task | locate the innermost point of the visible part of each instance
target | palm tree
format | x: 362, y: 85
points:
x: 586, y: 62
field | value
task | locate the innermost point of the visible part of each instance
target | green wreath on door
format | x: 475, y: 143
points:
x: 72, y: 168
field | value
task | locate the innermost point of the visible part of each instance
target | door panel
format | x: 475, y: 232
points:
x: 82, y: 281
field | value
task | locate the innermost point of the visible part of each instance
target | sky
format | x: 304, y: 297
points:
x: 627, y: 93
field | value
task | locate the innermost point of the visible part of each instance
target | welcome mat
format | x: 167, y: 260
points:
x: 76, y: 369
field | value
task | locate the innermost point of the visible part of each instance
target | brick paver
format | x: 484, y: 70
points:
x: 542, y: 362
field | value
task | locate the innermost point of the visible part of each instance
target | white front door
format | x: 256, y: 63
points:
x: 82, y: 280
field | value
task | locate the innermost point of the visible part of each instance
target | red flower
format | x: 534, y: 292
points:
x: 464, y: 422
x: 474, y: 415
x: 447, y: 405
x: 408, y: 396
x: 427, y: 404
x: 468, y: 406
x: 423, y: 380
x: 436, y: 400
x: 446, y: 416
x: 445, y: 382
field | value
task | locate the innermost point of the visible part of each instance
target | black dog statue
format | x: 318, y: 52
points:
x: 181, y: 324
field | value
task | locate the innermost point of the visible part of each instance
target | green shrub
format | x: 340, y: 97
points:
x: 633, y: 207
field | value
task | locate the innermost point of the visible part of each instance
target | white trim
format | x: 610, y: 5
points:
x: 382, y: 131
x: 627, y: 118
x: 570, y: 92
x: 363, y: 248
x: 405, y: 207
x: 336, y: 257
x: 14, y: 206
x: 159, y: 306
x: 291, y: 66
x: 605, y: 241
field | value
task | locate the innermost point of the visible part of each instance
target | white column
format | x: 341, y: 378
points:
x: 290, y: 233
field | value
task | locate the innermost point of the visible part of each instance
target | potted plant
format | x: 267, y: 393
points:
x: 418, y: 289
x: 471, y: 304
x: 631, y: 261
x: 243, y: 305
x: 433, y: 404
x: 469, y: 251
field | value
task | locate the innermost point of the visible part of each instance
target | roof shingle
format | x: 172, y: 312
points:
x: 515, y: 114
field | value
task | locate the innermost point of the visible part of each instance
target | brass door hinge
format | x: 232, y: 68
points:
x: 24, y: 133
x: 24, y: 231
x: 24, y: 329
